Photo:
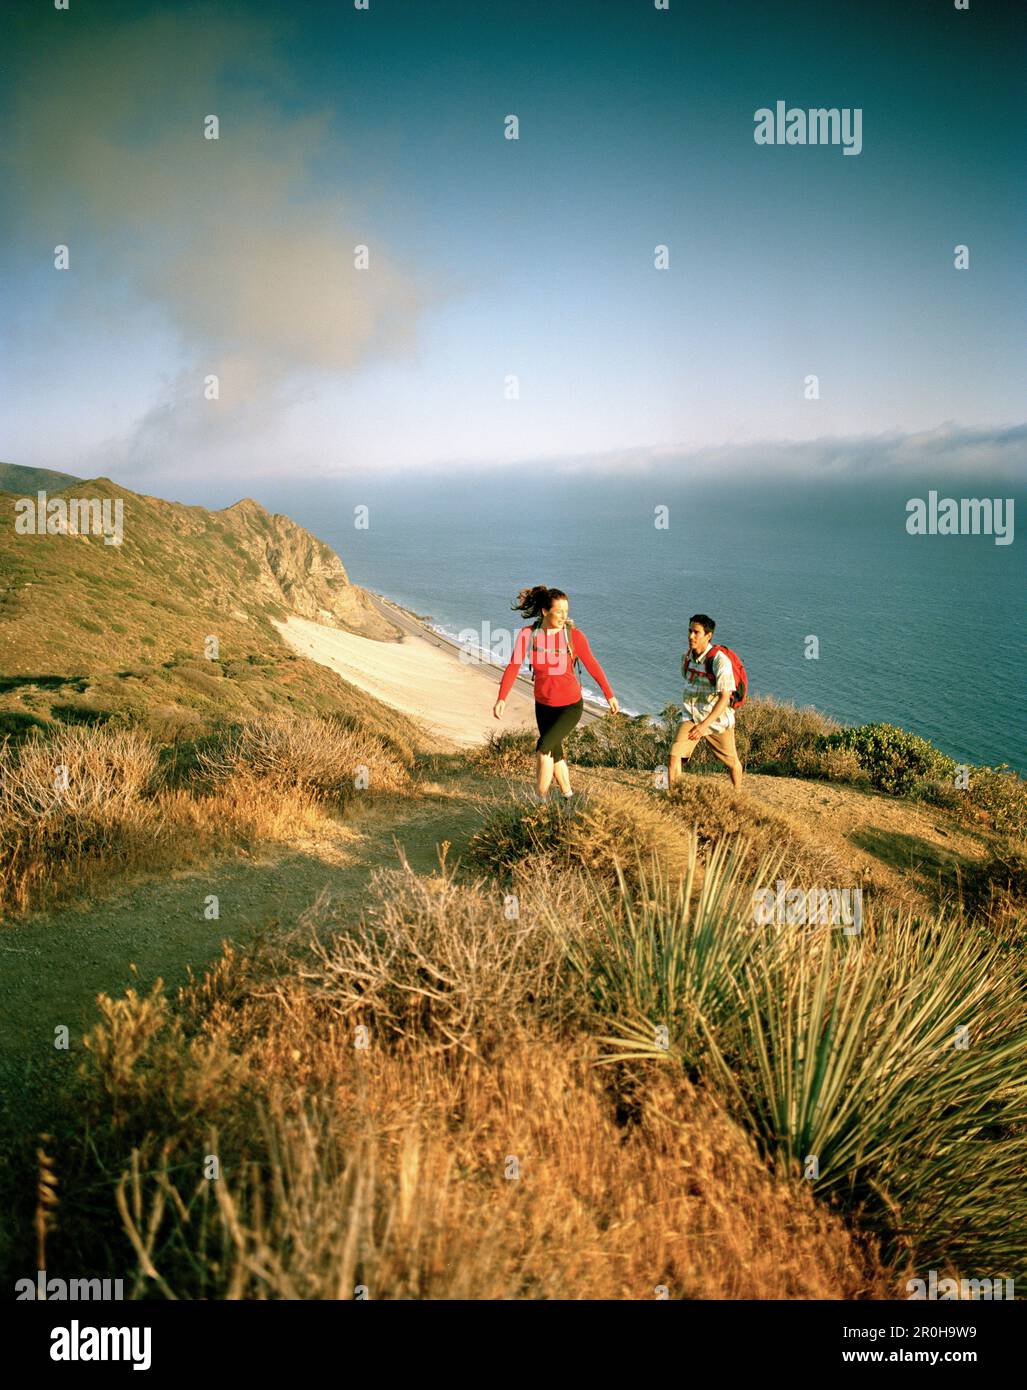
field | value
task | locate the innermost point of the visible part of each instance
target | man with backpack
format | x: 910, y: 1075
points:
x: 715, y: 687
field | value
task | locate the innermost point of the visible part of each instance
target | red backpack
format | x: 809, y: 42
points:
x: 740, y: 691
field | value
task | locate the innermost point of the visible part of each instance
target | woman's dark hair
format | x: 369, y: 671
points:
x: 533, y: 602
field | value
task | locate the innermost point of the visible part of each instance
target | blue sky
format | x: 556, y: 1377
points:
x: 492, y: 257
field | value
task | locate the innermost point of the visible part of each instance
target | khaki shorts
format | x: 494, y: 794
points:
x: 722, y: 744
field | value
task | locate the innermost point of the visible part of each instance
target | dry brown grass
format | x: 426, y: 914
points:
x: 419, y: 1173
x: 445, y: 964
x: 82, y: 772
x: 718, y: 812
x: 79, y: 805
x: 73, y: 806
x: 609, y: 828
x: 417, y: 1109
x: 318, y: 757
x: 465, y: 1144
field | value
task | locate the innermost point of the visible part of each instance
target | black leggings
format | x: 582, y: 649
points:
x: 555, y: 722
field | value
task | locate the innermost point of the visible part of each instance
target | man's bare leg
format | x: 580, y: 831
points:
x: 674, y: 760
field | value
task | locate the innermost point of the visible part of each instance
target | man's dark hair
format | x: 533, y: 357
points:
x: 704, y: 620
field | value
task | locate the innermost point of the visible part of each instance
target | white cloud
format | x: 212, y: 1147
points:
x: 241, y: 244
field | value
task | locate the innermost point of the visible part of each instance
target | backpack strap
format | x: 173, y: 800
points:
x: 717, y: 647
x: 531, y: 647
x: 707, y: 665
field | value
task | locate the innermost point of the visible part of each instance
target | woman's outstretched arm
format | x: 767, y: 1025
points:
x: 582, y: 649
x: 520, y: 651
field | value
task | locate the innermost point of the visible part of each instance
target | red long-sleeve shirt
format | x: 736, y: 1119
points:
x: 555, y: 681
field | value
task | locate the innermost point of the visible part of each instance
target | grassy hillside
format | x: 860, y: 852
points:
x: 15, y: 478
x: 91, y: 632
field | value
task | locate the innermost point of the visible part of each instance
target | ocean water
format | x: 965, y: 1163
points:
x: 925, y: 632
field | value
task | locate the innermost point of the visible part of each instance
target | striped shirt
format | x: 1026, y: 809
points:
x: 700, y: 698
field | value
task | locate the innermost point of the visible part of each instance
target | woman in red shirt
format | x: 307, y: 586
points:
x: 554, y: 644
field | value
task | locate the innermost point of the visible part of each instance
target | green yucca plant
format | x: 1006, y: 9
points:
x: 670, y: 952
x: 853, y: 1059
x: 844, y: 1049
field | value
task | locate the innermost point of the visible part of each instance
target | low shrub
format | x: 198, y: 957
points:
x: 318, y: 757
x: 894, y: 760
x: 379, y: 728
x: 621, y: 740
x: 771, y: 737
x: 607, y: 830
x: 998, y: 796
x: 828, y: 764
x: 440, y: 963
x: 996, y: 887
x: 505, y: 752
x: 616, y: 740
x: 775, y: 737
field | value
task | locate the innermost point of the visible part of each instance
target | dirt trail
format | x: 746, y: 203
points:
x: 53, y: 965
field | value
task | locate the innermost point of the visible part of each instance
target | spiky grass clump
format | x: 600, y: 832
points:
x: 317, y: 757
x: 442, y: 964
x: 659, y: 959
x: 608, y: 831
x: 73, y: 801
x: 888, y: 1067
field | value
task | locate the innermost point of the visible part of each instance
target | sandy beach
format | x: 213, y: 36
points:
x: 423, y: 675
